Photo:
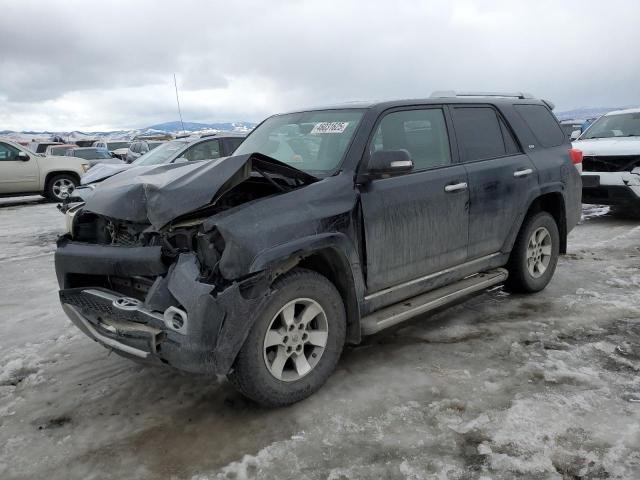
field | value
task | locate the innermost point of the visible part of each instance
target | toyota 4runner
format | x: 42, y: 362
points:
x: 325, y: 225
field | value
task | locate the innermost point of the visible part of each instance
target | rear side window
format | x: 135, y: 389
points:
x: 482, y: 134
x: 542, y: 123
x: 510, y: 143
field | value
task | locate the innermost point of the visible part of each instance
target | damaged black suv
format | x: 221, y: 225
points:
x: 325, y: 225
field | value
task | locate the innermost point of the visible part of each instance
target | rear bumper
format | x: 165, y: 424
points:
x: 178, y: 321
x: 611, y: 195
x: 611, y: 188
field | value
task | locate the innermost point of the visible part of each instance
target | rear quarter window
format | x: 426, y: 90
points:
x: 542, y: 123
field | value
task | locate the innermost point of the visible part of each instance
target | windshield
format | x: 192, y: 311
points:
x: 164, y: 153
x: 91, y: 153
x: 314, y: 142
x: 621, y: 125
x: 117, y: 145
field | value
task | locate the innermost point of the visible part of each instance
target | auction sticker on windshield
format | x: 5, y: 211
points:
x: 329, y: 127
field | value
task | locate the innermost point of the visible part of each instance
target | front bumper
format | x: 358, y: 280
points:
x: 82, y: 193
x: 178, y: 321
x: 611, y: 188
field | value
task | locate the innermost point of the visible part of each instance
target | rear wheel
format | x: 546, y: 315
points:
x: 535, y: 254
x: 60, y: 187
x: 295, y: 343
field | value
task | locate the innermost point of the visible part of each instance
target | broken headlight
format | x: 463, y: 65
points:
x: 70, y: 216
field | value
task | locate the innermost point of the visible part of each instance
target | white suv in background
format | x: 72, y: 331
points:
x: 23, y: 172
x: 611, y: 159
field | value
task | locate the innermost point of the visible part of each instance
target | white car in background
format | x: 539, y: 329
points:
x: 23, y: 172
x: 611, y: 159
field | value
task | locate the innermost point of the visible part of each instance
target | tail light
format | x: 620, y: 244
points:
x: 575, y: 155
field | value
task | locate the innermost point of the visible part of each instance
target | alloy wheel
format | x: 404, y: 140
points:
x: 62, y: 188
x: 539, y: 252
x: 296, y: 339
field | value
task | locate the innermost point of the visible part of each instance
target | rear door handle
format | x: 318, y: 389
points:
x: 455, y: 187
x: 522, y: 173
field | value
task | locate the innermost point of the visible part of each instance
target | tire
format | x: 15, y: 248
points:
x: 253, y: 369
x: 526, y: 272
x: 58, y: 185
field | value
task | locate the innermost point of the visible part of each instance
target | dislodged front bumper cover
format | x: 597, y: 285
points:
x: 181, y: 321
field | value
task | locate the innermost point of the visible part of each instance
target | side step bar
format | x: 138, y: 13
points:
x: 401, y: 311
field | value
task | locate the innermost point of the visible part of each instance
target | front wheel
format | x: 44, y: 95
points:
x: 60, y: 187
x: 295, y: 343
x: 535, y: 254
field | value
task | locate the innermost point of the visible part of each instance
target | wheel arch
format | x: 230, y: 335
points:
x: 333, y: 256
x: 552, y: 202
x: 55, y: 173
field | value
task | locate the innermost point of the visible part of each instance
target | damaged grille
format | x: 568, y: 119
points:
x: 124, y: 238
x: 623, y: 163
x: 121, y: 235
x: 83, y: 301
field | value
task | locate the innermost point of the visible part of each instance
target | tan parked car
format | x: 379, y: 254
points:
x: 23, y: 172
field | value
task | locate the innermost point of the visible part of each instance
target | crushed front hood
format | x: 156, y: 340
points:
x: 159, y: 194
x: 102, y: 171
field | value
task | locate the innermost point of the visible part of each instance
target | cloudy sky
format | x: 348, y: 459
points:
x: 109, y: 65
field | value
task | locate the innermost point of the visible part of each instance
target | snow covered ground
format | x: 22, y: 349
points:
x: 545, y: 386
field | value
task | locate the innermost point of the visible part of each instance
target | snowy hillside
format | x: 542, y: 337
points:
x: 168, y: 127
x: 588, y: 112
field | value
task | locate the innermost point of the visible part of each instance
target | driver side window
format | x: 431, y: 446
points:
x: 422, y: 133
x: 8, y: 153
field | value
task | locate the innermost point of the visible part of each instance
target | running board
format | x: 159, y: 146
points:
x: 402, y: 311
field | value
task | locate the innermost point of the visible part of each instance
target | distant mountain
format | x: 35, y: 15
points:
x: 167, y: 127
x: 193, y: 126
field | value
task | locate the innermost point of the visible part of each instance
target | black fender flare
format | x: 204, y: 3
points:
x: 534, y: 194
x: 341, y: 249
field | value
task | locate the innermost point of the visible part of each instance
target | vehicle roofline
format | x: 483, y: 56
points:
x: 385, y: 104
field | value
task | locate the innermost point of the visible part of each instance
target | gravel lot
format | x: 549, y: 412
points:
x: 502, y: 386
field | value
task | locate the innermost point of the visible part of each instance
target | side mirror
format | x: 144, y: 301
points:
x: 575, y: 134
x: 181, y: 160
x: 390, y: 162
x: 23, y: 156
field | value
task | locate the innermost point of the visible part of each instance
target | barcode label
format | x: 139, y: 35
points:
x: 329, y: 127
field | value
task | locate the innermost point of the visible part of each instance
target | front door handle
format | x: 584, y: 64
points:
x: 456, y: 187
x: 522, y: 173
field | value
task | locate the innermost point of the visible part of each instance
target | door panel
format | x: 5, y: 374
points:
x: 500, y: 176
x: 17, y: 176
x: 413, y: 227
x: 497, y: 198
x: 417, y: 223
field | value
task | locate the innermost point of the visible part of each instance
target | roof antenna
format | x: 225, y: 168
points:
x: 178, y: 102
